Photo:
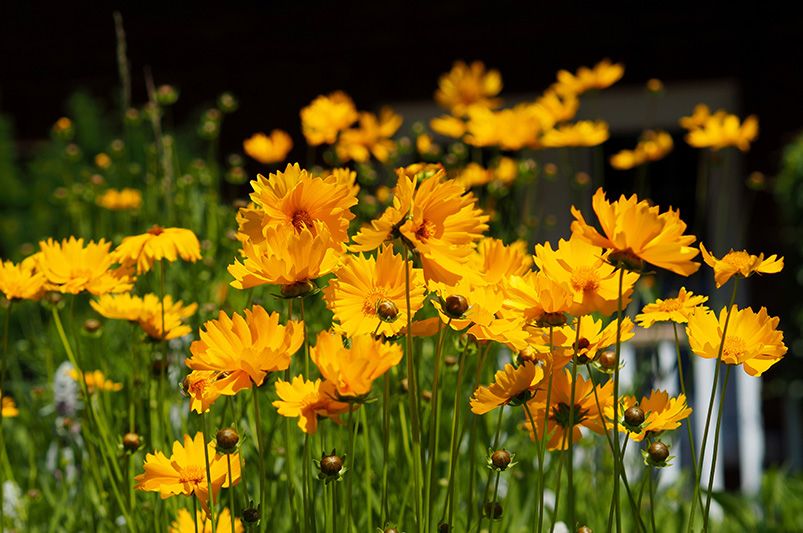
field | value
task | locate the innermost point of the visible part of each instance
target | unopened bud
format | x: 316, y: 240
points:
x: 331, y: 465
x: 227, y: 439
x: 634, y: 417
x: 658, y: 451
x: 131, y: 442
x: 387, y: 310
x: 455, y: 306
x: 501, y: 459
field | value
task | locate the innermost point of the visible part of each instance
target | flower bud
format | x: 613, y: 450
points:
x: 658, y: 452
x: 455, y: 306
x: 227, y: 439
x: 131, y: 442
x: 654, y: 85
x: 390, y: 529
x: 387, y: 310
x: 91, y: 325
x: 251, y: 515
x: 634, y: 417
x: 166, y: 95
x: 626, y: 259
x: 493, y: 510
x: 443, y: 527
x: 331, y: 465
x: 298, y: 289
x: 501, y: 459
x: 227, y: 102
x: 607, y: 360
x: 450, y: 360
x: 584, y: 529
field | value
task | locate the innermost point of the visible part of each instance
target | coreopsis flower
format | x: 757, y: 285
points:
x: 593, y: 338
x: 593, y: 281
x: 511, y: 385
x: 243, y: 350
x: 71, y: 268
x: 654, y: 145
x: 185, y: 471
x: 147, y: 312
x: 308, y: 400
x: 600, y: 76
x: 561, y: 107
x: 752, y: 340
x: 120, y: 200
x: 372, y: 137
x: 185, y: 523
x: 677, y: 309
x: 661, y: 413
x: 294, y: 198
x: 509, y: 129
x: 448, y: 126
x: 158, y: 244
x: 496, y: 261
x: 586, y: 412
x: 740, y: 263
x: 21, y: 281
x: 326, y: 116
x: 353, y: 370
x: 468, y: 85
x: 506, y: 170
x: 200, y: 386
x: 539, y: 298
x: 581, y: 133
x: 8, y: 406
x: 95, y: 381
x: 287, y: 258
x: 473, y: 175
x: 368, y: 294
x: 437, y: 218
x: 719, y: 130
x: 268, y: 149
x: 635, y: 231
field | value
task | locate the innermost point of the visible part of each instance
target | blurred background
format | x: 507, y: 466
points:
x: 57, y: 59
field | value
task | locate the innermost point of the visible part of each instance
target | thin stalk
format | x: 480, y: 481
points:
x: 472, y: 436
x: 651, y: 483
x: 412, y: 396
x: 493, y: 503
x: 231, y: 492
x: 539, y: 482
x: 6, y: 355
x: 368, y: 509
x: 572, y: 406
x: 490, y: 474
x: 617, y: 465
x: 195, y: 513
x: 716, y: 447
x: 454, y: 440
x: 557, y: 486
x: 306, y: 342
x: 205, y: 427
x: 434, y: 423
x: 385, y: 445
x: 542, y: 447
x: 350, y: 454
x: 260, y: 450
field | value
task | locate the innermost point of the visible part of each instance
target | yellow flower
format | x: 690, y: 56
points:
x: 593, y: 281
x: 293, y: 198
x: 634, y: 230
x: 96, y: 381
x: 600, y: 76
x: 244, y: 350
x: 70, y: 267
x: 8, y: 406
x: 677, y: 309
x: 156, y: 244
x: 268, y: 149
x: 21, y: 281
x: 506, y: 170
x: 593, y: 338
x: 147, y: 312
x: 496, y: 261
x: 103, y: 160
x: 473, y: 175
x: 448, y: 126
x: 697, y: 119
x: 561, y: 107
x: 581, y: 133
x: 184, y: 523
x: 740, y: 263
x: 185, y: 471
x: 511, y: 385
x: 353, y: 370
x: 287, y: 258
x: 201, y: 387
x: 654, y: 145
x: 538, y: 297
x: 720, y: 130
x: 752, y: 338
x: 363, y: 283
x: 425, y: 145
x: 662, y: 413
x: 509, y: 129
x: 326, y: 116
x: 586, y: 413
x: 372, y: 137
x: 308, y: 400
x: 468, y: 85
x: 120, y: 200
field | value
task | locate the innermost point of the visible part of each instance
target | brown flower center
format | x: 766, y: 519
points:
x: 585, y: 279
x: 734, y: 349
x: 156, y: 230
x: 425, y: 230
x: 371, y: 301
x: 301, y: 219
x: 192, y: 474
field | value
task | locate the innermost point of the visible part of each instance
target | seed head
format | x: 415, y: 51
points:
x: 634, y: 417
x: 387, y: 310
x: 227, y: 439
x: 131, y: 442
x: 501, y: 459
x: 658, y: 452
x: 455, y: 305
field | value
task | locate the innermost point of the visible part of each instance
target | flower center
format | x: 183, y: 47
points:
x: 425, y: 230
x: 371, y: 301
x: 156, y: 230
x: 192, y: 474
x: 561, y: 412
x: 301, y: 219
x: 585, y: 279
x: 739, y: 260
x: 668, y: 306
x: 734, y: 349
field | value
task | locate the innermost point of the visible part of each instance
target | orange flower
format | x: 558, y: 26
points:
x: 268, y: 149
x: 448, y: 126
x: 600, y: 76
x: 185, y: 523
x: 654, y: 145
x: 593, y: 337
x: 511, y: 385
x: 326, y: 116
x: 465, y: 86
x: 740, y: 263
x: 21, y: 281
x: 308, y: 400
x: 538, y: 297
x: 121, y: 200
x: 70, y: 267
x: 677, y: 309
x: 582, y: 133
x: 662, y: 413
x: 8, y: 406
x: 372, y: 137
x: 157, y: 244
x: 147, y: 312
x: 96, y: 381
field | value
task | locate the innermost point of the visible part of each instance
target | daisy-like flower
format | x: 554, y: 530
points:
x: 581, y: 133
x: 740, y: 263
x: 436, y: 217
x: 539, y: 298
x: 287, y: 258
x: 506, y: 170
x: 653, y: 146
x: 661, y: 412
x: 294, y: 198
x: 634, y: 231
x: 184, y: 472
x: 201, y: 388
x: 326, y: 116
x: 473, y: 175
x: 353, y: 370
x: 509, y: 129
x: 600, y: 76
x: 372, y: 137
x: 368, y: 294
x: 677, y: 309
x: 720, y: 130
x: 561, y: 107
x: 158, y: 244
x: 268, y: 149
x: 308, y: 400
x: 697, y: 119
x: 21, y: 281
x: 147, y: 312
x: 559, y: 421
x: 71, y: 268
x: 244, y: 350
x: 593, y: 281
x: 468, y: 85
x: 96, y: 381
x: 8, y: 406
x: 512, y: 385
x: 120, y: 200
x: 496, y: 261
x: 593, y: 337
x: 752, y: 340
x: 184, y: 523
x: 448, y: 126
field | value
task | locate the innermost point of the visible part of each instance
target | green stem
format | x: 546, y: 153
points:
x: 6, y: 355
x: 195, y: 512
x: 720, y: 409
x: 434, y: 424
x: 454, y: 440
x: 231, y: 492
x: 557, y: 486
x: 412, y: 397
x: 490, y: 474
x: 205, y: 426
x: 260, y: 451
x: 652, y: 498
x: 539, y: 482
x: 617, y: 465
x: 572, y: 407
x: 350, y: 455
x: 543, y: 443
x: 472, y: 437
x: 385, y: 445
x: 368, y: 508
x: 493, y: 504
x: 306, y: 342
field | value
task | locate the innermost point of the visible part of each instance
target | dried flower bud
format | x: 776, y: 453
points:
x: 455, y: 306
x: 387, y: 310
x: 658, y: 452
x: 390, y: 529
x: 501, y: 459
x: 654, y: 85
x: 634, y: 417
x: 426, y: 395
x: 227, y: 439
x: 131, y: 442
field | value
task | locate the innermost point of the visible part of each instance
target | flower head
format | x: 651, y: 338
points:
x: 538, y: 297
x: 677, y: 309
x: 96, y: 381
x: 662, y: 413
x: 22, y: 281
x: 654, y: 145
x: 582, y: 133
x: 308, y: 400
x: 120, y: 200
x: 372, y: 137
x: 147, y: 311
x: 156, y: 244
x: 600, y: 76
x: 448, y: 126
x: 752, y: 340
x: 70, y: 267
x: 468, y: 85
x: 496, y: 261
x: 740, y: 263
x: 593, y: 338
x: 719, y: 130
x: 511, y: 384
x: 8, y: 406
x: 326, y: 116
x: 637, y: 231
x: 268, y: 149
x: 185, y: 523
